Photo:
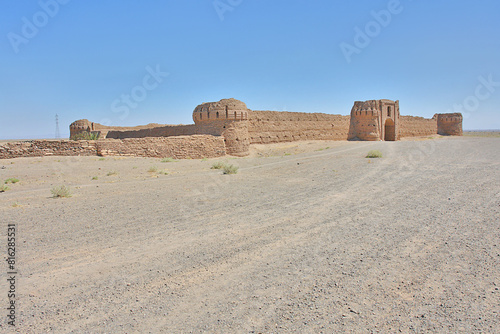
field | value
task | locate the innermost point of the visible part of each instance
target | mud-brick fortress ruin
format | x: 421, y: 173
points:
x: 229, y: 127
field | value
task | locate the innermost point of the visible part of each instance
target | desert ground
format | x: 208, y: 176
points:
x: 307, y: 237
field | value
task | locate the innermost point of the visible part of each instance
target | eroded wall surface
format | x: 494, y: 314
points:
x: 180, y: 147
x: 160, y: 131
x: 411, y: 126
x: 281, y: 126
x: 84, y: 125
x: 450, y: 124
x: 40, y: 148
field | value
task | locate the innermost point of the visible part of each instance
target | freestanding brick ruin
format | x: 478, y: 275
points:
x: 229, y: 127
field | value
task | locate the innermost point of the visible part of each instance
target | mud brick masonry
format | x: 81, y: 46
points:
x: 229, y: 127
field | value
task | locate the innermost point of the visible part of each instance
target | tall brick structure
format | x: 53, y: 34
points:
x: 449, y: 124
x: 375, y: 120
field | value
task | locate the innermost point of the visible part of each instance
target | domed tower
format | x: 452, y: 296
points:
x: 227, y: 118
x: 375, y: 120
x: 82, y: 125
x: 226, y: 109
x: 449, y: 124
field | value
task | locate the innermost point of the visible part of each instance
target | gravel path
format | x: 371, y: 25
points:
x: 304, y: 239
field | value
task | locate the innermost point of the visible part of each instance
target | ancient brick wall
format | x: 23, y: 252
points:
x: 365, y: 127
x: 84, y: 125
x: 449, y: 124
x: 40, y: 148
x: 411, y: 126
x: 276, y: 126
x: 179, y: 147
x: 160, y: 131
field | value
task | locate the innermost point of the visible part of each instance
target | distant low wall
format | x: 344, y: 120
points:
x: 161, y: 131
x: 180, y: 147
x: 40, y: 148
x: 279, y: 126
x: 411, y: 126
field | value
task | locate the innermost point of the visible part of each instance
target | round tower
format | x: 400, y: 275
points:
x: 365, y: 121
x: 227, y: 118
x: 82, y: 125
x: 226, y: 109
x: 450, y: 124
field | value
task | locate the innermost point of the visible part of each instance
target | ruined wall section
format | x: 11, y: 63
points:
x: 179, y: 147
x: 160, y: 131
x: 411, y: 126
x: 449, y: 124
x: 281, y: 126
x: 84, y: 125
x: 40, y: 148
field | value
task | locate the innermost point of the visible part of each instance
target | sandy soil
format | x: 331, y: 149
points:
x: 308, y: 237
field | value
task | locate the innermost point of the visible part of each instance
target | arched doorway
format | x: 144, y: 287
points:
x: 390, y: 130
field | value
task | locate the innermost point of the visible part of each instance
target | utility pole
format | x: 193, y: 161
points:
x: 58, y: 134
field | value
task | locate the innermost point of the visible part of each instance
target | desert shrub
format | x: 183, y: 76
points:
x: 11, y: 180
x: 61, y: 191
x: 218, y: 165
x: 152, y: 169
x: 168, y: 160
x: 112, y: 172
x: 95, y: 177
x: 3, y: 188
x: 230, y: 169
x: 86, y: 136
x: 374, y: 154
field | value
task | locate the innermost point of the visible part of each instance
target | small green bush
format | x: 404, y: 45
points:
x: 95, y: 177
x: 3, y: 188
x: 218, y: 165
x: 86, y: 136
x: 111, y: 173
x: 61, y: 191
x: 152, y: 169
x: 168, y: 160
x: 230, y: 169
x: 374, y: 154
x: 11, y: 180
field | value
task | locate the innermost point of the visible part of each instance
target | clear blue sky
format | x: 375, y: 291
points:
x: 79, y: 58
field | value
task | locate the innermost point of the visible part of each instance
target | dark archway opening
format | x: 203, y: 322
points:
x: 390, y: 130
